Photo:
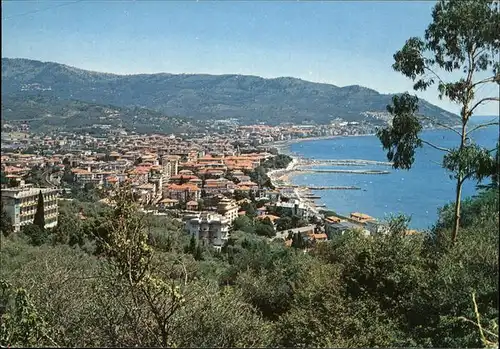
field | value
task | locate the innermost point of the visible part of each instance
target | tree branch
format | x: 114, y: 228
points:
x: 475, y: 324
x: 471, y: 66
x: 434, y: 73
x: 479, y: 53
x: 435, y: 146
x: 442, y: 125
x: 480, y: 82
x: 482, y: 126
x: 466, y: 176
x: 495, y: 99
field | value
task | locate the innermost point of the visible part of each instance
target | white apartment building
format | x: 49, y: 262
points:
x: 295, y: 207
x: 170, y: 165
x: 209, y: 227
x: 20, y: 205
x: 228, y: 208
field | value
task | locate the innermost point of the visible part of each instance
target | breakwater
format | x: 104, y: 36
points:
x: 343, y: 171
x: 348, y: 187
x: 343, y: 162
x: 327, y: 187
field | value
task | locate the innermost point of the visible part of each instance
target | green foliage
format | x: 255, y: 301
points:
x: 476, y: 209
x: 69, y: 230
x: 460, y: 31
x: 149, y: 284
x: 21, y: 325
x: 240, y: 195
x: 35, y: 234
x: 68, y: 176
x: 3, y: 178
x: 39, y: 219
x: 265, y: 229
x: 401, y: 138
x: 290, y: 222
x: 249, y: 208
x: 470, y: 161
x: 321, y: 317
x: 221, y: 318
x: 398, y: 224
x: 471, y: 266
x: 328, y: 213
x: 244, y: 223
x: 5, y: 222
x: 260, y: 177
x: 276, y: 162
x: 488, y: 337
x: 192, y: 245
x: 126, y: 241
x: 87, y: 193
x: 298, y: 241
x: 284, y: 223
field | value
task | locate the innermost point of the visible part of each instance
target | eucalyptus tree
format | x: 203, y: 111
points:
x: 462, y: 40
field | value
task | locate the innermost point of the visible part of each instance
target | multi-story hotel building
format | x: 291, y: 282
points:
x: 208, y: 227
x: 228, y: 208
x: 20, y: 205
x: 170, y: 165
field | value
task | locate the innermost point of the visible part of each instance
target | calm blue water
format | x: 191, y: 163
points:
x: 418, y: 192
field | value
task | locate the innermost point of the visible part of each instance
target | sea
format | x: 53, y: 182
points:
x: 418, y: 192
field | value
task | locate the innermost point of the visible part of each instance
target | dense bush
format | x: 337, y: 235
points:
x: 118, y: 278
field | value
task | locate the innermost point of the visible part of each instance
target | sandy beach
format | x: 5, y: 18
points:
x: 281, y: 178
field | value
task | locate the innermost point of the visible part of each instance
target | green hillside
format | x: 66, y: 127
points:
x: 204, y: 97
x: 44, y: 113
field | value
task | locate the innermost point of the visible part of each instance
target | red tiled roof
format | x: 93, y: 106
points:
x: 188, y: 187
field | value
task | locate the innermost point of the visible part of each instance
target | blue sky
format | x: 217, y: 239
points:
x: 343, y: 43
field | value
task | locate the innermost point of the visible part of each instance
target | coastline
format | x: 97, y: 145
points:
x: 288, y: 142
x: 284, y: 175
x: 282, y: 178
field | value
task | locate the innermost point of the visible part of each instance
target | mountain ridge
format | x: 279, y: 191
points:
x: 248, y: 98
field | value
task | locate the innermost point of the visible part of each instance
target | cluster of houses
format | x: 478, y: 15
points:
x: 165, y: 173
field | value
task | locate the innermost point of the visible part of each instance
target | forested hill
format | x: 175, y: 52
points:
x: 45, y: 113
x: 248, y: 98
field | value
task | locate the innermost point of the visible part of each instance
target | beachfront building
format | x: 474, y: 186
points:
x: 376, y: 227
x: 330, y: 225
x: 20, y: 204
x: 294, y: 207
x: 340, y: 228
x: 305, y: 231
x: 361, y: 217
x: 272, y: 195
x: 210, y: 228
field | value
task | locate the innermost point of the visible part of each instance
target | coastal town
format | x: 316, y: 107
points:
x: 242, y: 174
x: 207, y: 182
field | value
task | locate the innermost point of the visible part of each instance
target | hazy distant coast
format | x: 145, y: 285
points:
x: 288, y: 142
